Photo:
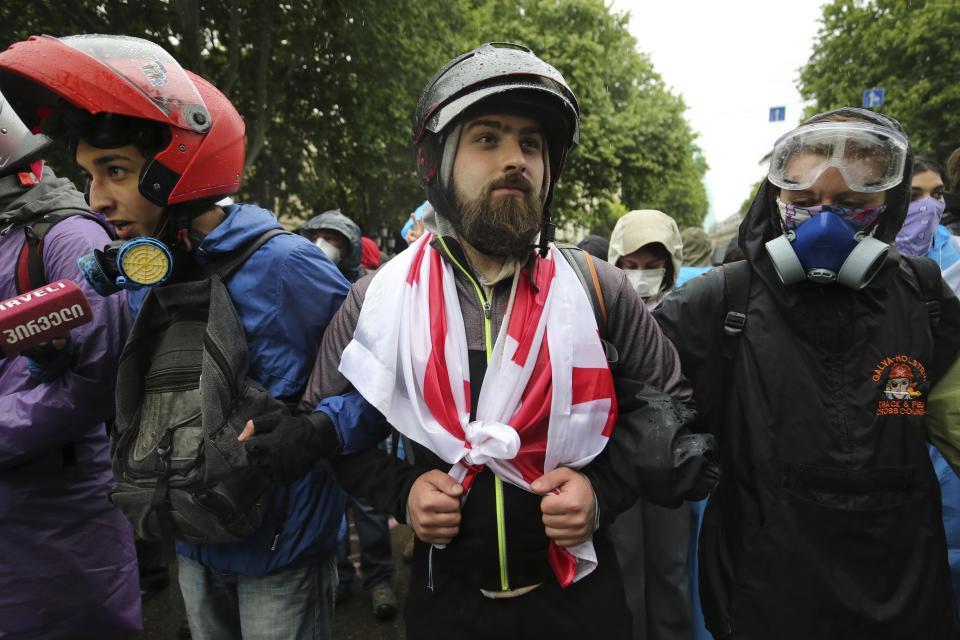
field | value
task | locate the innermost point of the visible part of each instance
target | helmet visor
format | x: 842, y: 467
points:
x: 153, y: 72
x: 870, y: 158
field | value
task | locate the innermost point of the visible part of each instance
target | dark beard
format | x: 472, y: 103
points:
x: 500, y: 226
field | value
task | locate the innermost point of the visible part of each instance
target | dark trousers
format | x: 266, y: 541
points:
x: 593, y: 607
x: 653, y: 548
x: 376, y: 554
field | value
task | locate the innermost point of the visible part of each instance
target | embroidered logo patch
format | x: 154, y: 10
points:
x: 904, y: 379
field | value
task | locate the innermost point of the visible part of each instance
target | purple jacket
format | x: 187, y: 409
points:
x: 68, y: 568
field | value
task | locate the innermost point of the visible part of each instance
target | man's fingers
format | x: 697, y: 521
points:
x: 552, y: 480
x: 248, y: 431
x: 443, y: 482
x: 429, y: 519
x: 443, y: 536
x: 558, y: 505
x: 566, y: 538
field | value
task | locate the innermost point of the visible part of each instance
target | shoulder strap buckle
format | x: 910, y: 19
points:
x: 734, y: 322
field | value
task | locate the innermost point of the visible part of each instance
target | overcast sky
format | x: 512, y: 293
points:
x: 731, y: 62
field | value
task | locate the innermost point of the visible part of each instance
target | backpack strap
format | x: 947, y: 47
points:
x: 586, y: 270
x: 928, y: 276
x: 736, y: 295
x: 29, y: 274
x: 225, y: 267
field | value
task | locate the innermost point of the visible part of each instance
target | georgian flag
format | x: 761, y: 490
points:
x: 547, y: 398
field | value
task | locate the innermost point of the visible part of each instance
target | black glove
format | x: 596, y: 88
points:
x: 47, y: 362
x: 290, y: 445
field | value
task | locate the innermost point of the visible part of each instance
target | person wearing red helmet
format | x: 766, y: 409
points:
x: 492, y: 369
x: 161, y: 146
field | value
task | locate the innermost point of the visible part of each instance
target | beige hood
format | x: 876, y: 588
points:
x: 643, y: 227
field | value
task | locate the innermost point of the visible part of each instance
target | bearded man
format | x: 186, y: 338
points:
x: 483, y: 351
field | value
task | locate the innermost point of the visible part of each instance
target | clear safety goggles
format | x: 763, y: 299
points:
x: 870, y: 158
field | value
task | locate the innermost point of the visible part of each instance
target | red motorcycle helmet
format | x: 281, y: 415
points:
x: 105, y: 74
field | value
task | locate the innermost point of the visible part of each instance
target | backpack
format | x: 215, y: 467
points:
x: 183, y: 397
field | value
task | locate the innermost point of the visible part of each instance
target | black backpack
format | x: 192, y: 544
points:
x: 183, y: 397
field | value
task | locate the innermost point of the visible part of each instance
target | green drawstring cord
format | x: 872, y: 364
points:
x: 497, y: 482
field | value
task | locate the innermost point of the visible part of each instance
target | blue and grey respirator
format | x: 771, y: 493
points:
x: 825, y: 244
x: 127, y: 264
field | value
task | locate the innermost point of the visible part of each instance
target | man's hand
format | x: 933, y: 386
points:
x: 415, y: 232
x: 434, y: 507
x: 289, y: 445
x: 569, y: 507
x: 49, y: 360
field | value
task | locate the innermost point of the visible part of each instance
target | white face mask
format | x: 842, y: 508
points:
x: 647, y: 282
x: 332, y: 252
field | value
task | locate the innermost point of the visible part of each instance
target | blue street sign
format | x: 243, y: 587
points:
x: 873, y: 98
x: 778, y: 114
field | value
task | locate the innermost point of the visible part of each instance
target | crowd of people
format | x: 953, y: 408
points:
x: 611, y: 440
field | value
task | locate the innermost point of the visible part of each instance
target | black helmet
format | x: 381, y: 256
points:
x: 503, y: 74
x: 18, y: 146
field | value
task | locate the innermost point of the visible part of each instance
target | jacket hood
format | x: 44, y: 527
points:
x: 336, y: 221
x: 19, y: 203
x: 647, y: 226
x: 697, y: 248
x: 244, y: 223
x: 762, y: 222
x: 596, y: 246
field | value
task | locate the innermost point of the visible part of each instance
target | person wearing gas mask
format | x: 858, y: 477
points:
x: 647, y: 246
x: 339, y: 238
x: 492, y: 367
x: 827, y: 523
x: 652, y: 542
x: 160, y: 147
x: 67, y: 559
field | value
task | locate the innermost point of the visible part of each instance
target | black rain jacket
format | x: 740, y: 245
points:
x: 827, y: 522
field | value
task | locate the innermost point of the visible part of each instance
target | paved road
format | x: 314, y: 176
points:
x: 354, y: 620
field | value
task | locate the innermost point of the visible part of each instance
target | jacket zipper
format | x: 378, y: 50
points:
x: 497, y: 482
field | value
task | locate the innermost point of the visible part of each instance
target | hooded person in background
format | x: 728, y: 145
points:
x: 652, y: 542
x: 697, y: 251
x: 697, y: 248
x: 67, y: 562
x: 339, y: 238
x: 647, y: 245
x: 597, y: 246
x: 828, y: 521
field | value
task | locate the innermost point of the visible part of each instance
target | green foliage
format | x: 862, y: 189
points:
x: 635, y: 149
x: 908, y: 47
x: 328, y: 89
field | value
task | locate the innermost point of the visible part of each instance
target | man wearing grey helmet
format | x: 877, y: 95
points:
x: 492, y: 366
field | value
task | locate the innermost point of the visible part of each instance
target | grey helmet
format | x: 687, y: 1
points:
x: 18, y: 146
x: 499, y: 73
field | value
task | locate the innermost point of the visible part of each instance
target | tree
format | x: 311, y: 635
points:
x: 636, y: 150
x: 908, y: 47
x: 328, y: 87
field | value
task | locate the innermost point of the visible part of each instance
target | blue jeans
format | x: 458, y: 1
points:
x: 294, y: 604
x: 376, y: 554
